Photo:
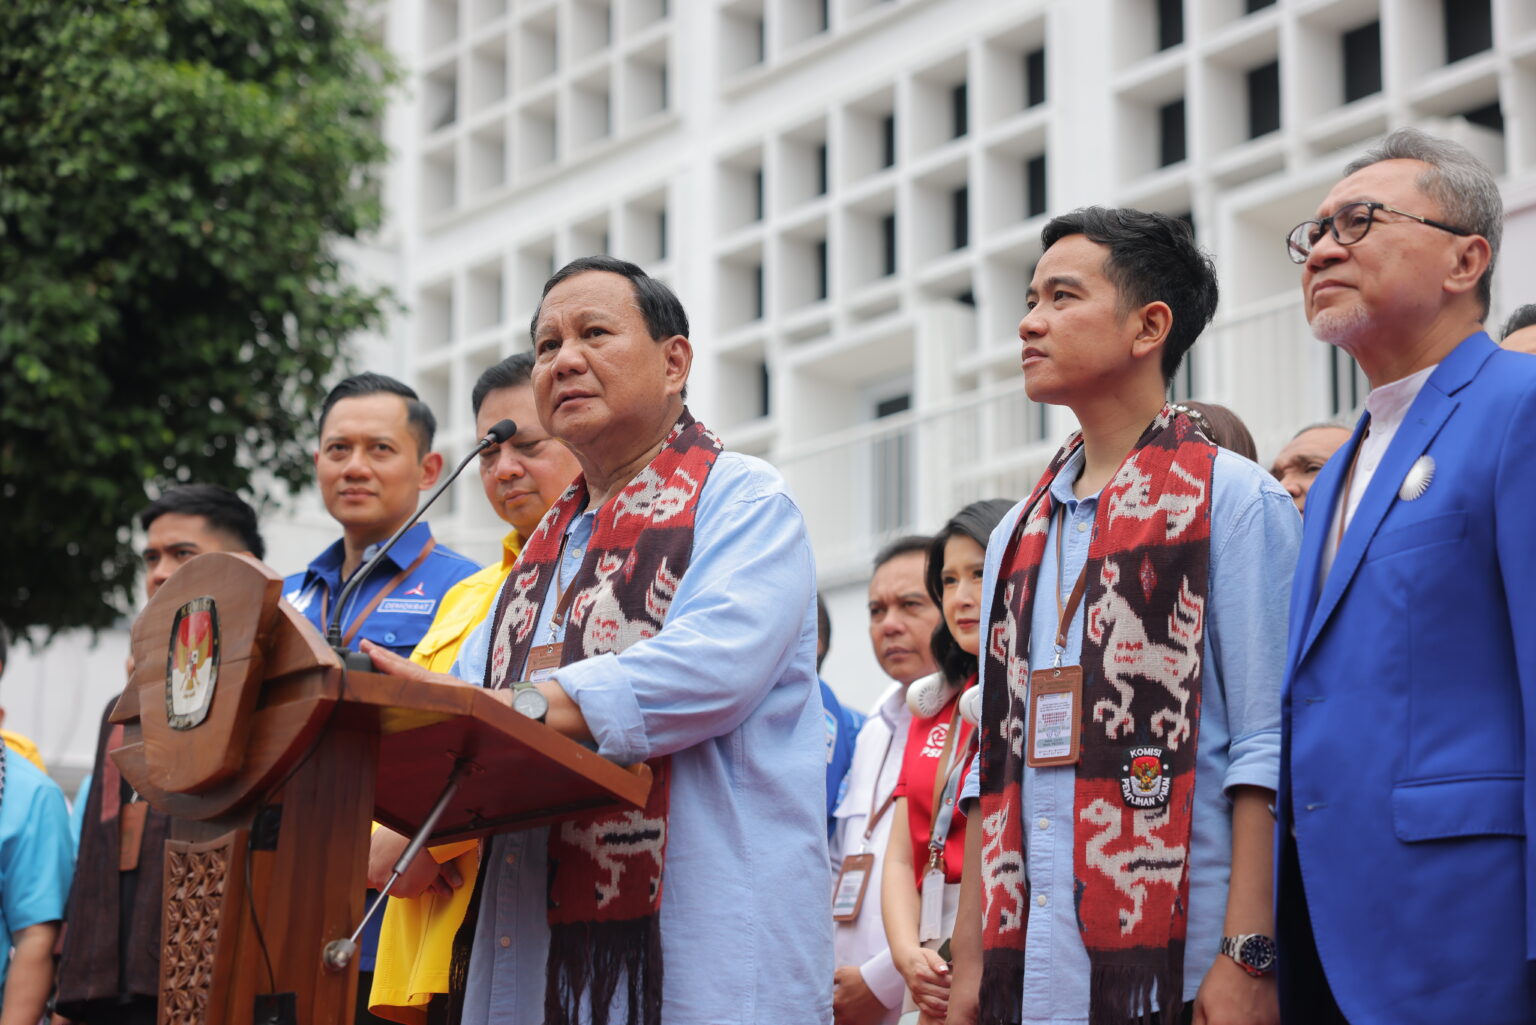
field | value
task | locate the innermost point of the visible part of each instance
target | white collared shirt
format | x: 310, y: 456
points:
x: 1388, y: 407
x: 877, y: 758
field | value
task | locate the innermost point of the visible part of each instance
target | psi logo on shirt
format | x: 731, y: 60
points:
x: 933, y: 744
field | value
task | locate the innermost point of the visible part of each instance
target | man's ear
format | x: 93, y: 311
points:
x: 1473, y: 255
x: 431, y: 469
x: 1154, y: 321
x: 678, y: 355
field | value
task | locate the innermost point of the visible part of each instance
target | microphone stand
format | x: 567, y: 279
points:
x: 357, y: 660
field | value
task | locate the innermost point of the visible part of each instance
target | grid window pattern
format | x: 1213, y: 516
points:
x: 1362, y: 61
x: 1468, y: 28
x: 833, y: 222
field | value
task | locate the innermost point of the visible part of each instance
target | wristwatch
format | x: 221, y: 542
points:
x: 1254, y: 952
x: 527, y: 699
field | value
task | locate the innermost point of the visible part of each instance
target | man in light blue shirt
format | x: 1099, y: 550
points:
x: 727, y: 688
x: 1095, y: 339
x: 37, y: 859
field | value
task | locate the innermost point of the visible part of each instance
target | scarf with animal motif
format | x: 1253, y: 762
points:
x: 606, y: 869
x: 1143, y: 640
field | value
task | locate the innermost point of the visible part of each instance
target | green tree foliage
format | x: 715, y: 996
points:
x: 174, y: 177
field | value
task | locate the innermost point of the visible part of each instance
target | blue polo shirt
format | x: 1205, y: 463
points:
x: 37, y: 857
x: 404, y: 615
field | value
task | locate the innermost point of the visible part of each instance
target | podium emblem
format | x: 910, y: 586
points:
x: 192, y: 666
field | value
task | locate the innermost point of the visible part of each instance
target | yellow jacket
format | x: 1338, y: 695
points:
x: 416, y: 940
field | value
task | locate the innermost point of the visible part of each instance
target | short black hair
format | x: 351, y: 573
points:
x: 222, y: 508
x: 659, y: 305
x: 1152, y: 258
x: 509, y: 373
x: 422, y: 423
x: 1522, y: 318
x: 902, y: 546
x: 976, y: 521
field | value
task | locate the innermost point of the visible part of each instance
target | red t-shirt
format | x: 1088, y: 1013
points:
x: 919, y: 767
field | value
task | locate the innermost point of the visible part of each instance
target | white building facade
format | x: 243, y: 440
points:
x: 848, y: 195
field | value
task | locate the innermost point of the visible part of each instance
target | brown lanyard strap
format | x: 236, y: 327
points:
x: 1349, y: 482
x: 876, y: 814
x: 368, y: 610
x: 566, y: 593
x: 1065, y: 613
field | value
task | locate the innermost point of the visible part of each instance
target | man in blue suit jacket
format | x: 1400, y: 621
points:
x: 1406, y: 883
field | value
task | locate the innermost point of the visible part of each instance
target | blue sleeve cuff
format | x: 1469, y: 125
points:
x: 970, y: 790
x: 1255, y: 762
x: 602, y: 690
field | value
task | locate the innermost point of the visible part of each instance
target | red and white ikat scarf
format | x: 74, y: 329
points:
x: 606, y: 870
x: 1143, y: 642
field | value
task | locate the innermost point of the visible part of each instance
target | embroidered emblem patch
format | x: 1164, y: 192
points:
x: 1145, y: 782
x: 192, y: 663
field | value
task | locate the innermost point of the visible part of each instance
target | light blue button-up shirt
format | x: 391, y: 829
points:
x: 1255, y: 534
x: 728, y: 688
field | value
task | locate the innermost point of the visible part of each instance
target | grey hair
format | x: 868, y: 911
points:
x: 1462, y: 184
x: 1325, y: 425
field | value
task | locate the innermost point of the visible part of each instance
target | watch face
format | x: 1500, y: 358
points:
x: 531, y: 703
x: 1258, y: 953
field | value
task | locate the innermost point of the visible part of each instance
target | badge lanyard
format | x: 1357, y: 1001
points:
x: 545, y: 659
x: 368, y: 610
x: 931, y: 891
x: 853, y: 880
x: 1349, y: 482
x: 1064, y: 614
x: 1055, y: 694
x: 875, y: 815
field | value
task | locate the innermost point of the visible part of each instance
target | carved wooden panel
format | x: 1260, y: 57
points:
x: 204, y: 884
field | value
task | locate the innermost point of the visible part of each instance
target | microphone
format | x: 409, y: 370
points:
x: 500, y: 432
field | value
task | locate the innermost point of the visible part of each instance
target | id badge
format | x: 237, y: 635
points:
x: 543, y: 660
x: 852, y: 881
x: 130, y: 835
x: 1055, y: 719
x: 930, y: 924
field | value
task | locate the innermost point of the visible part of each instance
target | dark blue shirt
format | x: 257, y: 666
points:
x: 404, y: 615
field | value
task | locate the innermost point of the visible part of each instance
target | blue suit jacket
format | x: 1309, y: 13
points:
x: 1408, y: 766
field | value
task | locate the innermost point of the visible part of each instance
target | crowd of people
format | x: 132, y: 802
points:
x: 1173, y: 738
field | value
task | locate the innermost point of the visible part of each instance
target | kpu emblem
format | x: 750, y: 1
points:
x: 192, y: 665
x: 1144, y: 780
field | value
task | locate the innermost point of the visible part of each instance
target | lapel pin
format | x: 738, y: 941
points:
x: 1420, y: 474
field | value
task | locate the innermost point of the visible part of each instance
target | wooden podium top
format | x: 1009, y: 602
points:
x: 522, y: 773
x: 232, y: 688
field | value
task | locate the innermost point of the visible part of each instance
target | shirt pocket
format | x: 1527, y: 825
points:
x: 1444, y: 809
x: 401, y: 631
x: 1408, y: 537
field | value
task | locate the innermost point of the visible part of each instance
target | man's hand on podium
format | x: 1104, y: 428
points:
x: 424, y: 873
x: 564, y: 714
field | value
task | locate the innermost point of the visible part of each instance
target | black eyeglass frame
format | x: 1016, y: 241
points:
x: 1299, y: 255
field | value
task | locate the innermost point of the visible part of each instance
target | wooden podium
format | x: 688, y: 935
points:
x: 243, y: 726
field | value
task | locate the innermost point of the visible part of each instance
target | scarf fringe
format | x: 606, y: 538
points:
x: 1001, y: 1000
x: 590, y: 958
x: 1119, y: 993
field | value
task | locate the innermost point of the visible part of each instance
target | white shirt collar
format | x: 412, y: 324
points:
x: 1389, y: 403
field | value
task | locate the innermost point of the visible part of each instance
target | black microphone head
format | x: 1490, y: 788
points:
x: 500, y: 432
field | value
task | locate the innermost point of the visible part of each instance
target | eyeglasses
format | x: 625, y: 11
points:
x: 1349, y: 225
